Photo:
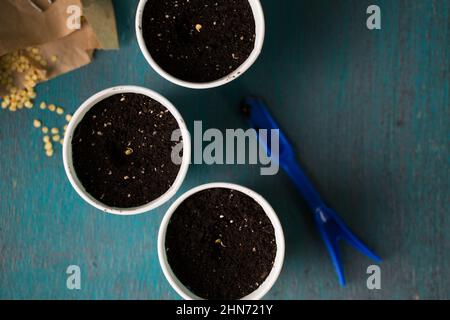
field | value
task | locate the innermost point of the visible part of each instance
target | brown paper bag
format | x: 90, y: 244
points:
x: 101, y: 17
x: 23, y: 25
x: 62, y: 49
x: 70, y: 52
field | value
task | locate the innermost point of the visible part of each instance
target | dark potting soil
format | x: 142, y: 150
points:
x: 220, y: 244
x: 122, y: 150
x: 199, y: 40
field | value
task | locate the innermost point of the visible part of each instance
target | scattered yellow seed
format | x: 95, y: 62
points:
x: 128, y: 151
x: 68, y: 117
x: 19, y: 75
x: 54, y: 130
x: 54, y: 58
x: 59, y: 110
x: 56, y: 138
x: 65, y: 127
x: 51, y: 107
x: 198, y: 27
x: 37, y: 123
x: 61, y: 141
x: 48, y: 146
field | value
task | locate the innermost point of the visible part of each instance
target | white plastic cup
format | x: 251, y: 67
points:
x: 68, y: 159
x: 176, y: 284
x: 258, y: 14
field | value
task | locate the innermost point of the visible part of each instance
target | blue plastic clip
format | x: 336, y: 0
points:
x: 331, y: 227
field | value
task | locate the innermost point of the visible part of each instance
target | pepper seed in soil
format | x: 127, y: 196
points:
x: 199, y: 40
x: 220, y: 244
x: 122, y: 150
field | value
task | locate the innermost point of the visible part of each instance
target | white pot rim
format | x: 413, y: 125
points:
x: 68, y: 160
x: 184, y: 292
x: 258, y: 14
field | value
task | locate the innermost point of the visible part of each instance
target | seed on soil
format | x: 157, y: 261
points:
x: 219, y: 241
x: 128, y: 151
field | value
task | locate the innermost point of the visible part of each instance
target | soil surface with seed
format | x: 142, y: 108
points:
x: 199, y: 40
x: 122, y: 150
x: 220, y: 244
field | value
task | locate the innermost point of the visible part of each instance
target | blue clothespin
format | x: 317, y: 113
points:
x: 331, y: 227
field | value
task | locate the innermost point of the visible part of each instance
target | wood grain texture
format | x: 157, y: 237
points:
x: 367, y: 111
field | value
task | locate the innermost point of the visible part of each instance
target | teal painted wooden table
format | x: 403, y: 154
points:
x: 367, y: 111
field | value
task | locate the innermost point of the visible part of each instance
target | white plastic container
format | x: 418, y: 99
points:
x: 258, y: 14
x: 68, y: 160
x: 184, y: 292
